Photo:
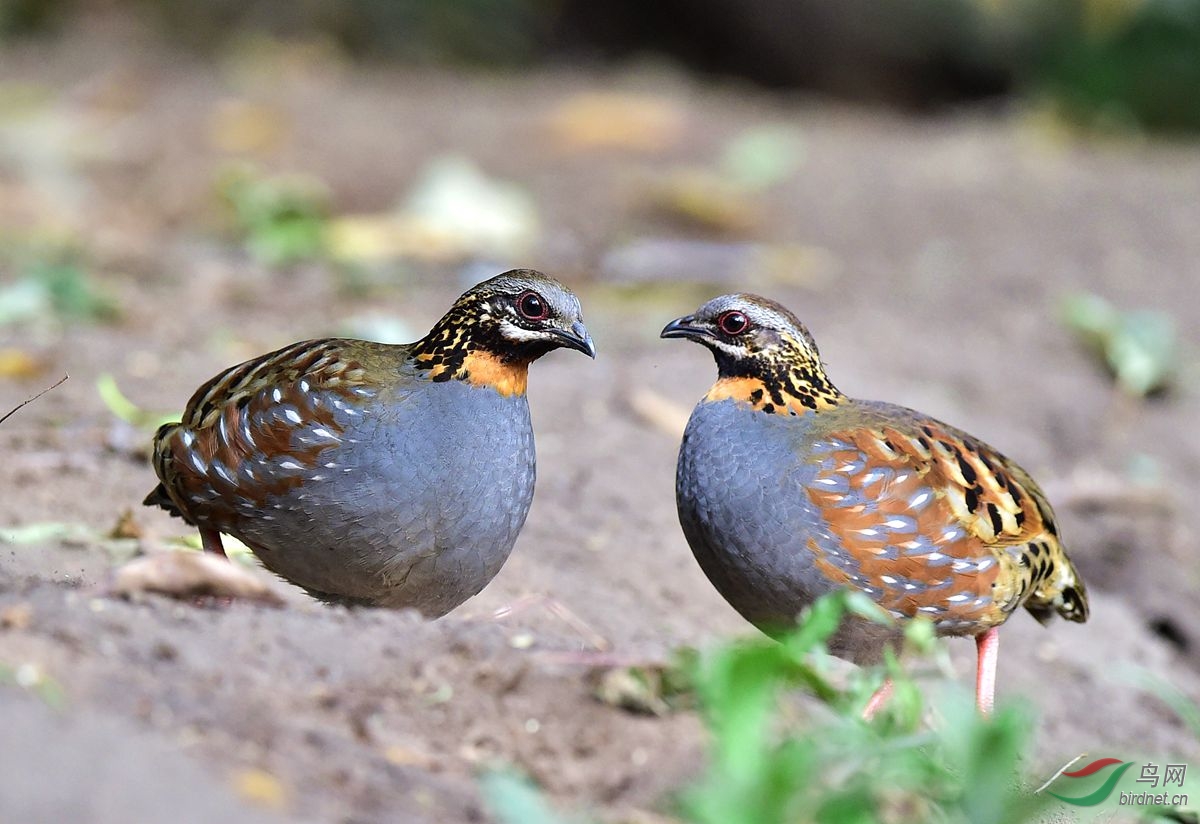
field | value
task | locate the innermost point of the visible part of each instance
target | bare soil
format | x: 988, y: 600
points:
x: 930, y: 257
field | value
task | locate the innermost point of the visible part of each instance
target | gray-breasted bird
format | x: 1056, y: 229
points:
x: 787, y: 489
x: 395, y: 476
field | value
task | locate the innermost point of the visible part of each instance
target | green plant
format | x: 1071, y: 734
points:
x: 54, y: 286
x: 282, y: 219
x: 775, y: 759
x: 773, y: 765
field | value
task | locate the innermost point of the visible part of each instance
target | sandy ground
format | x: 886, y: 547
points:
x: 929, y: 258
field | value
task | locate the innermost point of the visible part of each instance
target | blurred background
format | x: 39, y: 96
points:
x: 1121, y: 64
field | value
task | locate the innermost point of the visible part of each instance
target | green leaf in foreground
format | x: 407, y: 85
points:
x: 774, y: 763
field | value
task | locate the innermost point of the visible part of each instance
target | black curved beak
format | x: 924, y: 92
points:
x: 684, y: 327
x: 577, y: 338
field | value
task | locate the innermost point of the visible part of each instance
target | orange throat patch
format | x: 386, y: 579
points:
x: 754, y: 393
x: 484, y: 369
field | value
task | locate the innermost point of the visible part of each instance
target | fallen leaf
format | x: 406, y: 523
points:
x: 261, y: 788
x: 1139, y: 347
x: 478, y: 214
x: 634, y: 689
x: 27, y: 299
x: 407, y: 757
x: 701, y: 198
x: 762, y: 157
x: 650, y: 689
x: 17, y: 363
x: 633, y: 122
x: 513, y: 799
x: 16, y: 616
x: 239, y: 126
x: 188, y: 575
x: 30, y: 676
x: 127, y: 410
x: 662, y: 413
x: 46, y: 532
x: 453, y: 212
x: 126, y: 526
x: 373, y: 238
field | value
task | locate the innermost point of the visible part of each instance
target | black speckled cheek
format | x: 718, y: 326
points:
x: 422, y: 505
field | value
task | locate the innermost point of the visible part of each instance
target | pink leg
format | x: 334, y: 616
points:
x: 987, y: 645
x: 877, y: 700
x: 211, y: 540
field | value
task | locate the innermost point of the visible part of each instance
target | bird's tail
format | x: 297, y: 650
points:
x: 159, y: 497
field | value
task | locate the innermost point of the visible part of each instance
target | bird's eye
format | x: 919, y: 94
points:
x: 733, y: 323
x: 532, y: 306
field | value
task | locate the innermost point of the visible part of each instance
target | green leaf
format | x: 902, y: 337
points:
x: 283, y: 219
x: 514, y: 800
x: 45, y: 532
x: 1138, y: 347
x: 127, y: 410
x: 762, y: 157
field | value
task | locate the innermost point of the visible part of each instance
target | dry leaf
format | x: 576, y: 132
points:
x: 240, y: 126
x: 261, y: 788
x: 407, y: 757
x: 191, y: 574
x: 17, y: 616
x: 17, y: 363
x: 454, y: 212
x: 126, y: 526
x: 704, y: 200
x: 634, y: 122
x: 661, y: 413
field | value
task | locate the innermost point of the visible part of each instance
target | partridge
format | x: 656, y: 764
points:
x: 384, y: 475
x: 787, y: 489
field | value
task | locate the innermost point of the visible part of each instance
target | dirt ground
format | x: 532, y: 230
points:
x: 928, y: 257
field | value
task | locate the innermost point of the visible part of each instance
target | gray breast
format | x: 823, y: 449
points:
x: 740, y: 489
x: 420, y: 507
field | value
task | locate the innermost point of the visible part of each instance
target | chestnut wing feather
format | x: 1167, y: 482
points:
x: 258, y: 429
x: 929, y: 521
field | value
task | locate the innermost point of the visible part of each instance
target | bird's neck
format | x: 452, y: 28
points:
x: 779, y: 387
x: 457, y: 349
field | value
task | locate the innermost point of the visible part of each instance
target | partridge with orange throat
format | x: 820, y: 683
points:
x: 787, y: 489
x: 386, y: 475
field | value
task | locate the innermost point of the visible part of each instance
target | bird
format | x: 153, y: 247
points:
x: 787, y: 489
x: 372, y: 474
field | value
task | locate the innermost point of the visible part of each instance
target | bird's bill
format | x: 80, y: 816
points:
x: 576, y: 338
x: 685, y: 327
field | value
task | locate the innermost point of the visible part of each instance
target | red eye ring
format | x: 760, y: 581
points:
x: 733, y: 322
x: 532, y: 306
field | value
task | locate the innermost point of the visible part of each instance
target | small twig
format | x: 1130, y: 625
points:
x: 13, y: 411
x: 560, y: 611
x: 1061, y: 770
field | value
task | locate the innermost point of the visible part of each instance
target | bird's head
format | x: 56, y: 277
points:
x: 521, y: 315
x: 765, y: 356
x: 498, y: 327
